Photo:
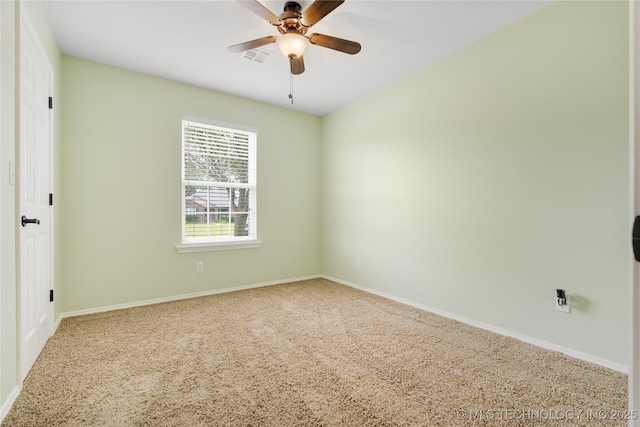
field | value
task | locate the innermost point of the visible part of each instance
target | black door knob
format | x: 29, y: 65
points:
x: 635, y: 238
x: 26, y: 221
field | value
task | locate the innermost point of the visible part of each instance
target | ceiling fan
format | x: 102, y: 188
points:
x: 293, y: 24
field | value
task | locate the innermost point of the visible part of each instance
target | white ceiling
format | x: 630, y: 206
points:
x: 187, y: 41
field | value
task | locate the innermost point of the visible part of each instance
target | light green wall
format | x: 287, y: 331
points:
x: 121, y: 180
x: 480, y: 184
x: 10, y: 14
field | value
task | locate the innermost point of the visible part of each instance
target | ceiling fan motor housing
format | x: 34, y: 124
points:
x: 290, y: 19
x: 292, y: 6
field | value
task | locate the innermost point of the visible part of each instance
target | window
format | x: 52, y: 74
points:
x: 218, y: 186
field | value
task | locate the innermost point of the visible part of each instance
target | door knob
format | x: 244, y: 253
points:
x: 635, y: 238
x: 26, y: 221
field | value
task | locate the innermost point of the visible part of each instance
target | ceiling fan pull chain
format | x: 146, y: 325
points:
x: 291, y: 87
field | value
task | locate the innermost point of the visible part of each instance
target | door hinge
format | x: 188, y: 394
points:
x: 50, y: 295
x: 50, y: 199
x: 51, y: 102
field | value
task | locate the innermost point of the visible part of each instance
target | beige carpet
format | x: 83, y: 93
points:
x: 305, y: 353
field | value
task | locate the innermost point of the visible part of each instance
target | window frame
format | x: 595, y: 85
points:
x: 223, y: 242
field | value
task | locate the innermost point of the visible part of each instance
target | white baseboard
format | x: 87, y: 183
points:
x: 177, y: 298
x: 7, y: 404
x: 488, y: 327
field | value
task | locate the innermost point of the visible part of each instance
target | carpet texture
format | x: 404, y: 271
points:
x: 305, y: 353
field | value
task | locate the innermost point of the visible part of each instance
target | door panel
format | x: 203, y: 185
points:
x: 36, y: 314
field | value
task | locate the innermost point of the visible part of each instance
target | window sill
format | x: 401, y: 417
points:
x: 216, y: 246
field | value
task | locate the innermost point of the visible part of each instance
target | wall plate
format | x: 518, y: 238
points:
x: 564, y: 308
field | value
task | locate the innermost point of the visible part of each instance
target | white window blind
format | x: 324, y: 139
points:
x: 219, y: 183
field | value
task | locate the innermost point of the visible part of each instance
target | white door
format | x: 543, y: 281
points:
x: 36, y: 311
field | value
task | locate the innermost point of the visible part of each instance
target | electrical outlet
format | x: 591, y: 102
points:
x: 358, y: 262
x: 199, y: 266
x: 566, y: 308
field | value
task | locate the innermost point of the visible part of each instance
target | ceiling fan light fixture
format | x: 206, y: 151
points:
x: 293, y: 24
x: 292, y: 45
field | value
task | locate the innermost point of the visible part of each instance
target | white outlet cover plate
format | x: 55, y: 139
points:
x: 564, y: 308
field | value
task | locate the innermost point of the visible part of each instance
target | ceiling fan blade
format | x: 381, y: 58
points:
x: 318, y: 10
x: 335, y: 43
x: 239, y: 48
x: 297, y: 64
x: 261, y: 11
